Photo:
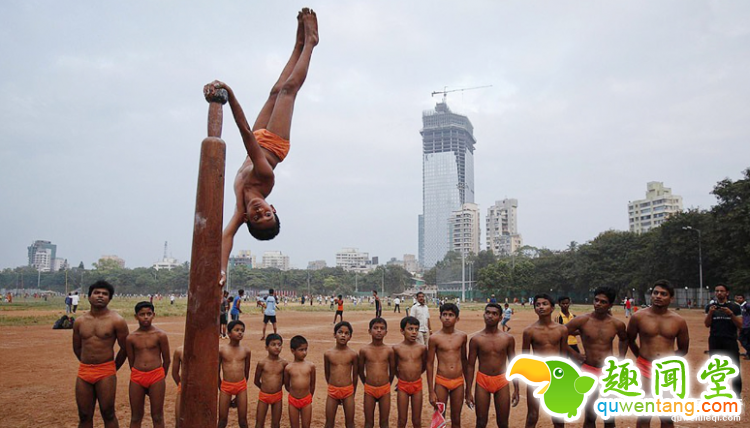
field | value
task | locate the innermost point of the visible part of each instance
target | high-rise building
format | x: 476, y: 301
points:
x: 502, y: 227
x: 659, y: 204
x: 243, y: 258
x: 42, y: 255
x: 465, y: 229
x: 410, y: 263
x: 447, y: 178
x: 274, y: 259
x: 350, y: 259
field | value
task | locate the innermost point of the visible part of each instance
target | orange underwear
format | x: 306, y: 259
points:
x: 340, y: 392
x: 449, y: 384
x: 377, y: 392
x: 272, y: 142
x: 410, y: 388
x: 644, y: 366
x: 233, y: 388
x: 93, y: 373
x: 146, y: 379
x: 491, y: 384
x: 596, y: 371
x: 300, y: 403
x: 270, y: 398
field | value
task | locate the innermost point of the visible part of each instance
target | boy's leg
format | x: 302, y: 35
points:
x: 294, y: 414
x: 416, y: 410
x: 177, y: 410
x: 241, y: 400
x: 260, y: 415
x: 307, y: 416
x: 369, y: 411
x: 532, y: 406
x: 137, y: 397
x: 86, y: 401
x: 502, y: 407
x: 156, y: 395
x: 276, y: 409
x: 384, y: 406
x: 457, y: 403
x: 224, y: 400
x: 274, y: 327
x: 402, y: 406
x: 349, y: 411
x: 105, y: 393
x: 265, y: 324
x: 482, y: 403
x: 331, y: 407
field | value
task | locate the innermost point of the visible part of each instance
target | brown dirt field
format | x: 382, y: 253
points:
x: 38, y: 368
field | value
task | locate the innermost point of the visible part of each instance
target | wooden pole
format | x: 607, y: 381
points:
x: 200, y: 353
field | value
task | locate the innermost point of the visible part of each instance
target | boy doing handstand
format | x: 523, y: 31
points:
x: 377, y: 366
x: 411, y: 361
x: 148, y: 355
x: 449, y: 346
x: 299, y: 380
x: 341, y: 367
x: 234, y: 363
x: 269, y: 378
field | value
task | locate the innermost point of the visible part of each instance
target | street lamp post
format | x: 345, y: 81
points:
x: 463, y: 275
x: 700, y: 254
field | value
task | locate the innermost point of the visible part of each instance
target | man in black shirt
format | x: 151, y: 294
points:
x: 723, y: 318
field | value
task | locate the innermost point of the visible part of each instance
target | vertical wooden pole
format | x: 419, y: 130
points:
x: 200, y: 353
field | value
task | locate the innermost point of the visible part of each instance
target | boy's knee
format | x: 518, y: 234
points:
x: 481, y: 421
x: 157, y: 418
x: 290, y: 87
x: 222, y: 423
x: 108, y: 414
x: 85, y: 416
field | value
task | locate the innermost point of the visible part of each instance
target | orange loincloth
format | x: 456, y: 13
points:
x: 340, y: 392
x: 270, y: 398
x: 377, y: 392
x: 449, y: 384
x: 146, y: 379
x: 93, y: 373
x: 300, y: 403
x: 233, y: 388
x: 644, y: 366
x: 491, y: 384
x: 410, y: 388
x: 596, y: 371
x: 273, y: 143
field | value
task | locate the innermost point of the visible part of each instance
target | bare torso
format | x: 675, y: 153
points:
x: 340, y: 363
x: 147, y: 348
x: 272, y: 374
x: 409, y: 361
x: 98, y: 334
x: 248, y: 184
x: 492, y: 351
x: 657, y: 333
x: 546, y: 339
x: 235, y: 362
x: 299, y: 374
x: 448, y: 349
x: 377, y: 361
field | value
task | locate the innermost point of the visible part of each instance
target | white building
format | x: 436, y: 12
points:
x: 316, y: 264
x: 43, y: 259
x: 350, y: 259
x: 167, y: 263
x: 244, y: 258
x: 60, y: 264
x: 502, y: 227
x: 276, y: 260
x: 660, y: 203
x: 465, y: 229
x: 411, y: 264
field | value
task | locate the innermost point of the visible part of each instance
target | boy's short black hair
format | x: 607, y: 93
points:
x: 449, y: 307
x: 296, y: 342
x: 494, y: 305
x: 265, y: 234
x: 663, y: 283
x: 231, y: 324
x: 544, y: 296
x: 340, y: 296
x: 375, y: 291
x: 561, y: 298
x: 378, y: 320
x: 343, y: 324
x: 607, y: 291
x: 270, y: 291
x: 273, y: 336
x: 230, y: 299
x: 105, y: 285
x: 241, y: 292
x: 141, y: 305
x: 409, y: 321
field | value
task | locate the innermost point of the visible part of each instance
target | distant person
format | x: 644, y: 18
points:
x: 723, y: 318
x: 396, y: 305
x: 74, y: 299
x: 564, y: 317
x: 171, y: 299
x: 226, y: 300
x: 269, y: 312
x: 68, y: 303
x: 421, y: 312
x: 378, y: 304
x: 236, y: 311
x: 507, y: 313
x: 745, y: 331
x: 339, y: 308
x: 628, y: 307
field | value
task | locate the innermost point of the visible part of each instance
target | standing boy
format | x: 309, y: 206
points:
x: 234, y: 362
x: 74, y: 299
x: 236, y: 311
x: 598, y: 330
x: 299, y: 380
x: 411, y: 362
x: 94, y: 336
x: 545, y: 337
x: 507, y: 313
x: 378, y: 304
x: 224, y: 310
x: 269, y: 312
x: 494, y: 349
x: 148, y: 355
x: 176, y: 368
x: 341, y: 367
x: 339, y: 308
x: 658, y: 330
x: 397, y: 305
x: 449, y: 346
x: 564, y: 317
x: 269, y: 378
x: 377, y: 366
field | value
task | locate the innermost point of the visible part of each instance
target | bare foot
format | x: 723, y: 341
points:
x: 311, y: 26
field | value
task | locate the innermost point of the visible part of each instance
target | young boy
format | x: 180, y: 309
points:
x: 544, y: 337
x: 341, y: 366
x: 449, y: 345
x: 176, y: 366
x: 226, y: 302
x: 377, y: 366
x: 339, y: 308
x: 148, y: 355
x: 494, y: 349
x: 234, y: 362
x: 564, y: 317
x: 411, y: 361
x: 269, y: 378
x: 299, y: 380
x: 507, y: 313
x: 236, y: 311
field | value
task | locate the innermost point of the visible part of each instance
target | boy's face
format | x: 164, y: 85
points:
x: 301, y: 352
x: 660, y: 297
x: 378, y: 331
x: 602, y: 304
x: 448, y: 318
x: 237, y: 333
x: 260, y: 213
x: 543, y: 307
x: 410, y: 332
x: 274, y: 347
x: 99, y: 297
x: 565, y: 305
x: 491, y: 317
x: 343, y: 335
x: 145, y: 316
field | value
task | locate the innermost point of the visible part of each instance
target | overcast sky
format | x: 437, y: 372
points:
x: 102, y: 116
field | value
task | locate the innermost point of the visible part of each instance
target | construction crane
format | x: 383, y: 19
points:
x: 445, y: 90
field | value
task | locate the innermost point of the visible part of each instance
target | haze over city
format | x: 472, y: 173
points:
x: 103, y: 116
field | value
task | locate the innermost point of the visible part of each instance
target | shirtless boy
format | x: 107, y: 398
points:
x: 341, y: 367
x: 546, y: 338
x: 234, y: 362
x: 269, y: 378
x: 267, y: 143
x: 148, y: 355
x: 377, y: 367
x: 299, y: 380
x: 658, y: 330
x: 449, y: 346
x: 94, y: 336
x: 176, y: 367
x: 494, y: 349
x: 411, y: 362
x: 598, y: 330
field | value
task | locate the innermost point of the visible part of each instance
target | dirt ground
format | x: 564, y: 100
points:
x: 38, y: 367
